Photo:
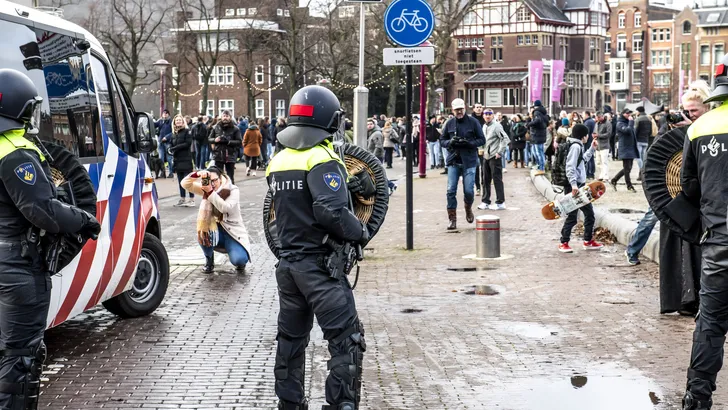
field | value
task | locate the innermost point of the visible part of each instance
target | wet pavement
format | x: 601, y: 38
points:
x: 541, y: 331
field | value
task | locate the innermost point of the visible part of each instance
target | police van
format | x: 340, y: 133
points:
x: 96, y: 140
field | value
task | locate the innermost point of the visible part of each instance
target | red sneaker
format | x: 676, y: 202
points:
x: 565, y: 248
x: 592, y: 245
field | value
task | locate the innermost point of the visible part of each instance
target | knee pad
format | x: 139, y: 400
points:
x: 25, y: 387
x: 347, y: 357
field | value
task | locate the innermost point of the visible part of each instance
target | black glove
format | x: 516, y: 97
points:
x: 458, y: 142
x: 91, y: 226
x: 361, y: 184
x: 364, y: 235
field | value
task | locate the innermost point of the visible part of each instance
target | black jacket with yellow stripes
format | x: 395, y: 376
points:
x: 705, y: 171
x: 27, y: 197
x: 310, y: 200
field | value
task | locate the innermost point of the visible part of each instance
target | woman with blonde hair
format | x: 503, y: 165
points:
x: 180, y: 149
x: 391, y: 139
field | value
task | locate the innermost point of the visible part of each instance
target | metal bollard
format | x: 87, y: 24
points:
x: 487, y: 236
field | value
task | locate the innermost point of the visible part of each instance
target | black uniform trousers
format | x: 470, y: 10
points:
x: 711, y: 324
x: 305, y: 289
x: 572, y: 218
x: 493, y: 171
x: 25, y: 296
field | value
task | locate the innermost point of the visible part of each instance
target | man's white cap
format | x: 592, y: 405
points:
x: 458, y: 103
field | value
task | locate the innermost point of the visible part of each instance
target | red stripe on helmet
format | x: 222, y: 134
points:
x: 719, y: 71
x: 301, y: 110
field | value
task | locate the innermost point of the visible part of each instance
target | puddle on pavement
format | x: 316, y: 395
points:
x: 620, y: 389
x: 481, y: 290
x: 528, y: 329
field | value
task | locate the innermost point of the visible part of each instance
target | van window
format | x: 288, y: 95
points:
x: 113, y: 115
x: 59, y: 70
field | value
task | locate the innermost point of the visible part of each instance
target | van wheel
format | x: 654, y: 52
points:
x: 150, y: 282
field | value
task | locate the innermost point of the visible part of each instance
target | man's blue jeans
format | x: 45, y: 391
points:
x: 642, y: 234
x: 642, y: 149
x: 540, y: 156
x: 454, y: 172
x: 527, y: 153
x: 201, y: 155
x: 165, y: 157
x: 236, y: 252
x: 435, y: 153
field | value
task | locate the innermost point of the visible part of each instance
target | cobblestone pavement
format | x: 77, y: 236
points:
x: 564, y: 332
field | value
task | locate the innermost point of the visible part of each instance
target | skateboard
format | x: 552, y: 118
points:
x: 569, y: 203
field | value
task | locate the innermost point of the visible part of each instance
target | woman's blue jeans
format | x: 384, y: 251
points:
x: 236, y: 252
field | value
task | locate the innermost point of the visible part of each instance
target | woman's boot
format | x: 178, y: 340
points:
x: 453, y: 218
x: 209, y: 264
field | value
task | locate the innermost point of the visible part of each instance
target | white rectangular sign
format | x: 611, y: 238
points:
x: 409, y: 56
x: 493, y: 97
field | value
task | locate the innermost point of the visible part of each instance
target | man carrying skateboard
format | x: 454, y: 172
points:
x: 576, y: 174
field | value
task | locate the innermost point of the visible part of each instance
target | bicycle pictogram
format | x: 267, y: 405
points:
x: 412, y: 19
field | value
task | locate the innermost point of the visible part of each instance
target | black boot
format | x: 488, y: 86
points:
x: 691, y: 403
x: 341, y: 406
x: 209, y: 265
x: 287, y: 405
x: 240, y: 269
x: 452, y: 216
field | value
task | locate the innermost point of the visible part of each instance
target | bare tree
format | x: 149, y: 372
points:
x: 336, y: 54
x: 133, y: 28
x: 298, y: 41
x: 253, y: 41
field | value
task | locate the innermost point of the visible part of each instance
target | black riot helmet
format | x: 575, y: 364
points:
x: 19, y: 101
x: 313, y: 116
x: 720, y: 92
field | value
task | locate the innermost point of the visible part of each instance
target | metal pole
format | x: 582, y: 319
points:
x: 361, y: 93
x: 423, y: 114
x: 270, y: 92
x: 410, y: 151
x: 162, y: 103
x: 487, y: 238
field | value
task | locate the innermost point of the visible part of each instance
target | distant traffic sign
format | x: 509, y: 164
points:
x: 409, y: 23
x: 409, y: 56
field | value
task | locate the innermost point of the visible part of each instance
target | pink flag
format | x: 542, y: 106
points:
x: 681, y: 83
x: 535, y: 79
x: 557, y: 76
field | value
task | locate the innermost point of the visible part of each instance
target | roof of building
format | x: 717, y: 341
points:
x: 502, y: 77
x: 228, y: 24
x: 547, y: 10
x: 577, y: 4
x: 712, y: 17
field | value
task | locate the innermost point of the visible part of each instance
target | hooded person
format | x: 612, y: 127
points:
x: 537, y: 126
x: 227, y: 140
x: 220, y: 226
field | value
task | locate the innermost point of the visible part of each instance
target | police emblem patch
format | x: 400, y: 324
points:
x: 26, y: 173
x: 333, y: 181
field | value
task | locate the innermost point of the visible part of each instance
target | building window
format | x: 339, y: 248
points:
x: 222, y: 75
x: 705, y: 55
x: 593, y: 50
x: 607, y: 46
x: 548, y: 40
x: 252, y: 11
x: 563, y: 47
x: 229, y: 12
x: 535, y: 39
x: 210, y: 111
x: 621, y: 42
x: 712, y: 31
x: 278, y: 74
x: 687, y: 27
x: 213, y: 42
x: 620, y: 20
x: 467, y: 43
x: 481, y: 42
x: 460, y: 43
x: 718, y: 53
x: 660, y: 58
x: 528, y: 40
x: 280, y: 108
x: 661, y: 34
x: 637, y: 42
x: 259, y: 109
x: 620, y: 72
x: 685, y: 55
x: 175, y: 76
x: 286, y: 13
x: 637, y: 72
x: 496, y: 51
x: 705, y: 77
x: 594, y: 19
x: 469, y: 18
x: 241, y: 12
x: 259, y: 74
x: 636, y: 96
x: 662, y: 80
x: 226, y: 105
x: 279, y: 12
x: 606, y: 73
x: 522, y: 15
x: 519, y: 40
x: 637, y: 19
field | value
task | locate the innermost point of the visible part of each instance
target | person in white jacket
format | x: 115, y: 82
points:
x: 496, y: 144
x: 220, y: 226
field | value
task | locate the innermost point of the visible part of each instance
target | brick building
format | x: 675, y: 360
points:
x: 248, y: 78
x: 497, y: 38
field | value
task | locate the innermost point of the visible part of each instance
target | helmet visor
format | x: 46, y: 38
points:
x: 34, y: 120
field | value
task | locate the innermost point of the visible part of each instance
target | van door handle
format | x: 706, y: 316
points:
x: 110, y: 176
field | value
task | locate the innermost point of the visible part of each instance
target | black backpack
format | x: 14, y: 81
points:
x: 558, y: 174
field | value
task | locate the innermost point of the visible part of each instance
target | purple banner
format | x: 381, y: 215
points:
x: 535, y: 79
x: 557, y: 76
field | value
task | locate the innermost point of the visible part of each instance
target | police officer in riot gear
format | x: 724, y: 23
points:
x: 308, y: 181
x: 28, y: 205
x: 705, y: 159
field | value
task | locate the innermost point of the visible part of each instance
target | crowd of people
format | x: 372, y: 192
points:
x: 186, y: 144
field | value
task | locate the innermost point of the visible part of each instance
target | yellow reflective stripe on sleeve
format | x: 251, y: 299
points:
x: 294, y: 160
x: 15, y: 139
x: 710, y: 123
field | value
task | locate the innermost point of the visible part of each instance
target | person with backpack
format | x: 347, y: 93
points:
x: 202, y: 145
x: 573, y: 157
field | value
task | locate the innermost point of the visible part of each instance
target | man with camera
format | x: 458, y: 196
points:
x: 705, y: 159
x: 461, y: 136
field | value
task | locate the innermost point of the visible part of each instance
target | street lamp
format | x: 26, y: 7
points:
x: 440, y: 91
x: 162, y: 65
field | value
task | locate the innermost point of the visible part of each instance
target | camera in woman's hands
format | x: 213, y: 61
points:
x: 206, y: 180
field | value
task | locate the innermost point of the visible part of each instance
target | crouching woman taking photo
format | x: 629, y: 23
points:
x: 220, y: 226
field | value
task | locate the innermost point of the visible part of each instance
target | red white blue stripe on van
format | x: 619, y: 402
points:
x: 106, y: 267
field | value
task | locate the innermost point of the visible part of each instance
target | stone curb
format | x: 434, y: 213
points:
x: 622, y: 228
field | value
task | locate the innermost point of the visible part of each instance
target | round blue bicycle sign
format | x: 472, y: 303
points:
x: 409, y: 23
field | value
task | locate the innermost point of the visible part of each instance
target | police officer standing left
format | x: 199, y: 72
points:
x: 28, y: 204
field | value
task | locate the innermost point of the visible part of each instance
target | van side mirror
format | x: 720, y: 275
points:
x: 144, y: 126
